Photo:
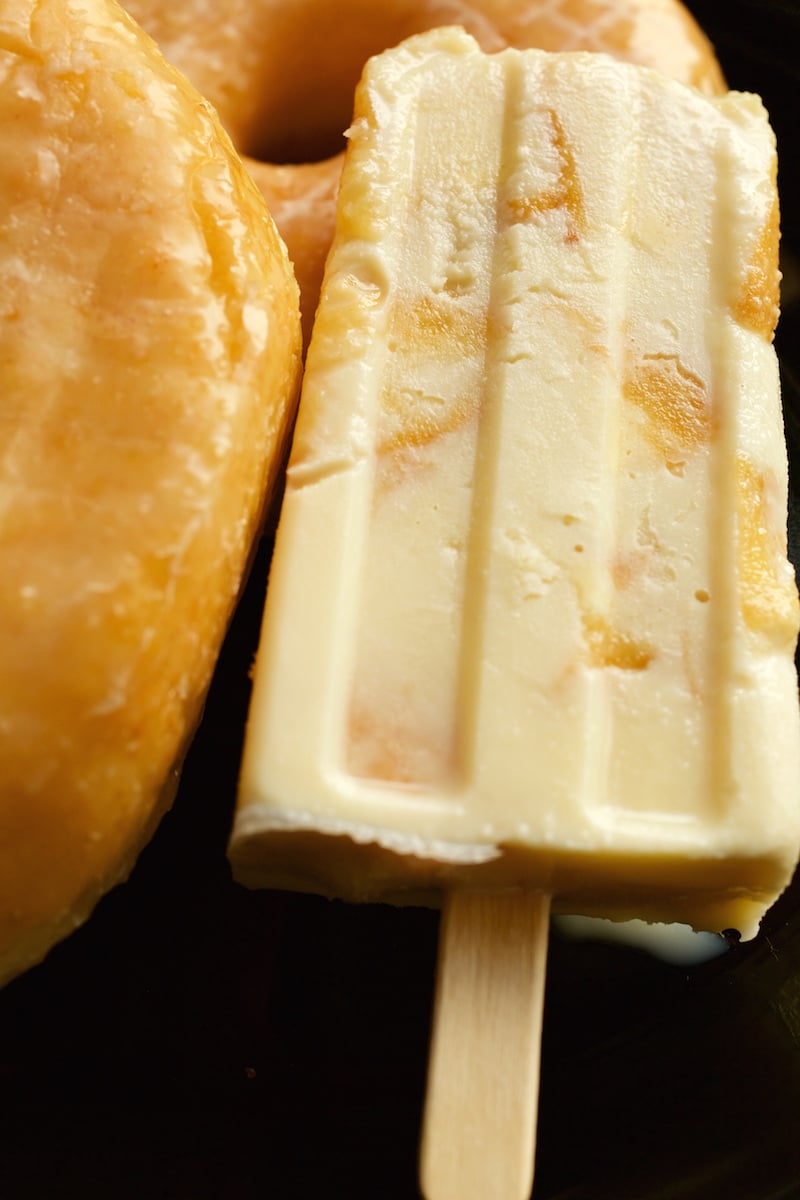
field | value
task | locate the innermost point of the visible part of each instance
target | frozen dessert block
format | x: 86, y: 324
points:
x: 530, y: 621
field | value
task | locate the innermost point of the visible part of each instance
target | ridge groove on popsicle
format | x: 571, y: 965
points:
x: 724, y: 535
x: 405, y: 716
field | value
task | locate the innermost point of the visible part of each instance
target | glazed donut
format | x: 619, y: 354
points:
x: 282, y: 74
x: 149, y: 354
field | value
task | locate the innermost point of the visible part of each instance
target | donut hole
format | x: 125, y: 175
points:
x: 302, y: 133
x: 305, y: 102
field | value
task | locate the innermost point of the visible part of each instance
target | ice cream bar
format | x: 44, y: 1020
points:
x: 530, y: 621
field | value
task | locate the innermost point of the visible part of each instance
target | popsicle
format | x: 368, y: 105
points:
x: 530, y: 622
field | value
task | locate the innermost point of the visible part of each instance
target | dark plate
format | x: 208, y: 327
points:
x: 195, y: 1041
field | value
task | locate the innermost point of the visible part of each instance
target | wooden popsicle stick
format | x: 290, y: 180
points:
x: 479, y: 1126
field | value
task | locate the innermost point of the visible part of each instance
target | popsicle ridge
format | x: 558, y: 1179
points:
x: 449, y: 237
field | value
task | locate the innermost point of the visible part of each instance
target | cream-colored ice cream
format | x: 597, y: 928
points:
x: 530, y: 620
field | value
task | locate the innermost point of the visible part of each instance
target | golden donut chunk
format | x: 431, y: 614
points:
x: 282, y: 74
x: 149, y: 354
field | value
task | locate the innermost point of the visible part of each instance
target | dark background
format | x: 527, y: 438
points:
x: 196, y: 1041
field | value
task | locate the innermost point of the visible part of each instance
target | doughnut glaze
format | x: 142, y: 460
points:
x: 149, y: 353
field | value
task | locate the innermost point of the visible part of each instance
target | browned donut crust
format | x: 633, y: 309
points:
x: 149, y: 353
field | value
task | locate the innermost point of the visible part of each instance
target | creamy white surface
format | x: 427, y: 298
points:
x: 530, y: 586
